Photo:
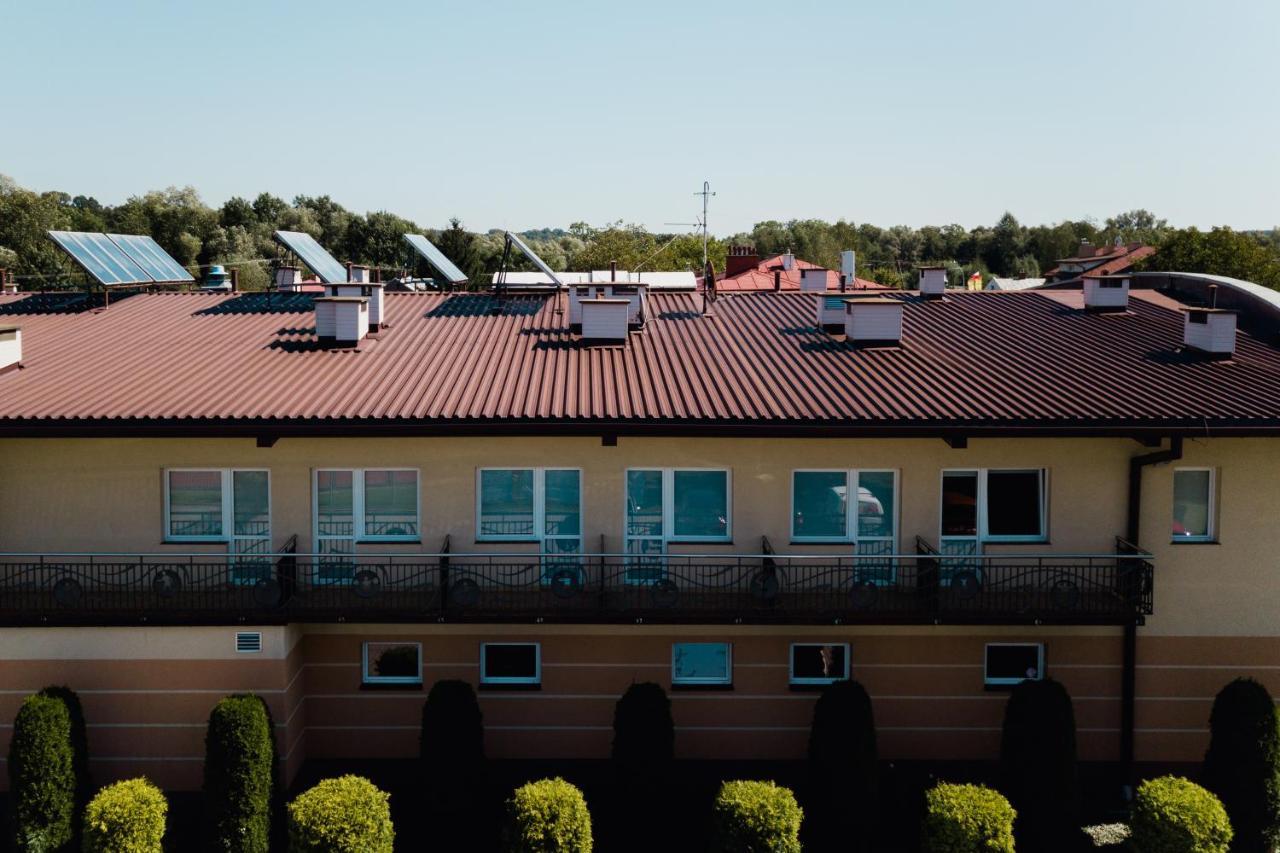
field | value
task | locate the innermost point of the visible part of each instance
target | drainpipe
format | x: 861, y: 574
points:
x: 1129, y: 664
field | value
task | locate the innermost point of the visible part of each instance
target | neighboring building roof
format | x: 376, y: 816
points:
x: 677, y: 280
x: 973, y: 363
x: 1101, y: 260
x: 997, y: 283
x: 761, y: 278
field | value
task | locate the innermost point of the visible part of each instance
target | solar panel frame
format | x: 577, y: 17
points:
x: 533, y: 256
x: 101, y: 258
x: 153, y: 260
x: 313, y: 255
x: 436, y: 258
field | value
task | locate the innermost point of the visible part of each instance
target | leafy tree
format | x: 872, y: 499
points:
x: 1220, y: 251
x: 1135, y: 226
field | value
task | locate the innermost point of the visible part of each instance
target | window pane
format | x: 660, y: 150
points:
x: 506, y: 502
x: 819, y: 503
x: 817, y: 662
x: 1013, y: 503
x: 701, y: 503
x: 390, y: 503
x: 334, y: 504
x: 644, y: 503
x: 250, y: 500
x: 705, y: 663
x: 1190, y: 503
x: 960, y: 504
x: 510, y: 661
x: 875, y: 503
x: 563, y: 507
x: 398, y: 661
x: 195, y: 503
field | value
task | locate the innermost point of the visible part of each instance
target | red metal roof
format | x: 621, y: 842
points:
x: 761, y: 278
x: 1000, y: 359
x: 1121, y: 259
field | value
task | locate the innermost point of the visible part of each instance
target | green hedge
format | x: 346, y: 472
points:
x: 343, y: 815
x: 967, y: 819
x: 548, y: 816
x: 1173, y: 815
x: 756, y: 817
x: 644, y: 733
x: 42, y: 776
x: 239, y: 779
x: 1038, y: 764
x: 127, y: 817
x: 1242, y: 766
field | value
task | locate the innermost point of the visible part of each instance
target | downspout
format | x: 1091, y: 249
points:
x: 1129, y: 663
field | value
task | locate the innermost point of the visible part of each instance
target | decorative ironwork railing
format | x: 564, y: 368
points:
x: 921, y: 588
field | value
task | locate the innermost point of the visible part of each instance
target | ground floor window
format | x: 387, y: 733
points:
x: 392, y: 662
x: 1012, y: 663
x: 819, y: 663
x: 511, y: 663
x: 701, y: 664
x: 1193, y: 505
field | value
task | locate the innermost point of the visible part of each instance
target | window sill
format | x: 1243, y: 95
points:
x: 1002, y: 541
x: 197, y: 541
x: 1194, y: 542
x: 813, y: 688
x: 365, y: 685
x: 516, y: 687
x: 685, y: 688
x: 388, y: 541
x: 505, y: 541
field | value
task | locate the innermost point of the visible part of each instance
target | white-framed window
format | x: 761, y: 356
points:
x: 511, y: 663
x: 391, y: 662
x: 677, y: 505
x: 819, y: 663
x: 530, y: 505
x: 995, y: 505
x: 1194, y: 505
x: 822, y: 511
x: 231, y: 505
x: 354, y: 505
x: 1011, y: 663
x: 701, y: 664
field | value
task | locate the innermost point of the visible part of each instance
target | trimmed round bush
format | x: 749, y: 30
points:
x: 452, y: 727
x: 1242, y: 766
x: 1038, y: 764
x: 239, y: 779
x: 548, y: 816
x: 644, y: 733
x: 127, y: 817
x: 1174, y: 815
x: 756, y: 817
x: 42, y: 777
x: 343, y: 815
x: 967, y: 819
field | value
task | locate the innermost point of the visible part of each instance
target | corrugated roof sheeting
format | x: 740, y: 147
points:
x: 972, y: 358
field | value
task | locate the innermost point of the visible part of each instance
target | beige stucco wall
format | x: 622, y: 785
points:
x: 106, y: 495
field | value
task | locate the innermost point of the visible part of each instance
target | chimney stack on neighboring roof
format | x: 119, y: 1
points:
x: 739, y: 260
x: 342, y: 320
x: 1105, y: 293
x: 10, y: 347
x: 933, y: 282
x: 873, y: 320
x: 788, y: 261
x: 848, y: 269
x: 288, y: 278
x: 7, y: 283
x: 1086, y: 249
x: 813, y: 280
x: 358, y: 273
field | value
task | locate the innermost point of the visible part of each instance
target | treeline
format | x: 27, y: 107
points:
x: 239, y: 234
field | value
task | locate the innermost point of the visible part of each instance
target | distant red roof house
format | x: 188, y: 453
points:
x: 746, y: 271
x: 1099, y: 260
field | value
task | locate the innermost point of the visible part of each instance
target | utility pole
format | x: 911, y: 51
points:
x: 706, y: 198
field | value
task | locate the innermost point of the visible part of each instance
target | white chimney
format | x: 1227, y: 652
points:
x: 605, y: 320
x: 873, y: 320
x: 933, y: 282
x: 788, y: 262
x: 288, y: 278
x: 1106, y: 293
x: 1210, y: 330
x: 372, y: 291
x: 633, y: 293
x: 813, y: 280
x: 358, y: 273
x: 10, y: 347
x: 848, y: 266
x: 342, y: 320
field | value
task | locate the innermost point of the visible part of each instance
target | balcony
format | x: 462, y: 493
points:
x: 926, y: 587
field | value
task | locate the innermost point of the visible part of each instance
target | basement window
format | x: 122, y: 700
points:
x: 1193, y: 505
x: 392, y: 663
x: 701, y: 664
x: 819, y: 663
x: 517, y: 664
x: 1007, y: 664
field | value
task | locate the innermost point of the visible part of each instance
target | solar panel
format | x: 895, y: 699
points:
x: 100, y: 257
x: 436, y: 258
x: 531, y: 255
x: 313, y: 255
x: 155, y: 261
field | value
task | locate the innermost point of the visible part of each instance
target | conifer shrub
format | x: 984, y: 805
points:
x: 79, y: 742
x: 348, y: 814
x: 1174, y: 815
x: 548, y: 816
x: 127, y: 817
x: 1242, y: 765
x: 452, y: 728
x: 756, y: 817
x: 1038, y: 764
x: 42, y: 776
x: 644, y: 732
x: 239, y: 776
x: 842, y: 747
x: 967, y: 819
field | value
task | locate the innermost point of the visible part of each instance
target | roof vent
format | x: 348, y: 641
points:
x: 788, y: 261
x: 7, y: 282
x: 248, y: 641
x: 605, y: 320
x: 1212, y: 331
x: 633, y: 293
x: 933, y: 282
x: 872, y: 321
x: 10, y: 347
x: 813, y: 280
x: 358, y: 274
x: 831, y: 313
x: 1106, y: 293
x: 288, y: 278
x: 370, y: 290
x: 342, y: 320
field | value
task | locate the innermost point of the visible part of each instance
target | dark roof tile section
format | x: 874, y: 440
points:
x: 999, y: 359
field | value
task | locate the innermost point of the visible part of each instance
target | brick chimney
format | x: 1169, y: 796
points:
x: 741, y: 259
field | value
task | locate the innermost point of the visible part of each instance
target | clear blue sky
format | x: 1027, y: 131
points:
x: 526, y: 114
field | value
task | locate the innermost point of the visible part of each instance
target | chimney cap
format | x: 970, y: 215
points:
x: 340, y: 299
x: 1193, y: 309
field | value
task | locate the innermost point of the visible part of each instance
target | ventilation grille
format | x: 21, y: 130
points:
x: 248, y: 641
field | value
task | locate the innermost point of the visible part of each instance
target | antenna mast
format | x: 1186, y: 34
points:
x: 706, y: 194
